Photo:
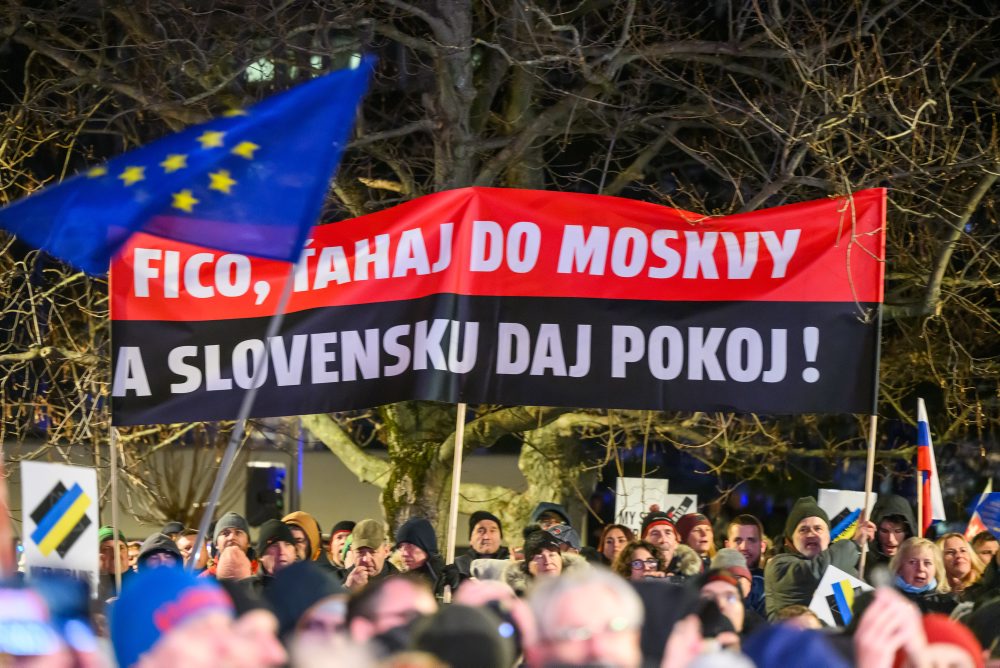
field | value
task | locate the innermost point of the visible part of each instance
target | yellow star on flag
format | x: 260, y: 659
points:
x: 221, y: 181
x: 94, y: 172
x: 174, y: 162
x: 184, y: 200
x: 245, y: 149
x: 133, y: 175
x: 211, y: 138
x: 232, y: 113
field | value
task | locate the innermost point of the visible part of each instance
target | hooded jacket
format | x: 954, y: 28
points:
x: 307, y: 523
x: 547, y: 507
x: 685, y: 564
x: 887, y: 506
x: 521, y: 581
x: 790, y: 578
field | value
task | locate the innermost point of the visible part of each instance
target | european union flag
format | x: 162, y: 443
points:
x: 250, y: 182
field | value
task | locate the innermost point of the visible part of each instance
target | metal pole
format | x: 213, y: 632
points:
x: 245, y: 407
x: 114, y: 508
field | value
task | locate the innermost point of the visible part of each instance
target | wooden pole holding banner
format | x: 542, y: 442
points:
x: 869, y: 481
x: 872, y: 432
x: 114, y: 508
x: 456, y: 483
x: 241, y: 419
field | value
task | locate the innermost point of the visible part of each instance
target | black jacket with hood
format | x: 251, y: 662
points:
x: 888, y: 506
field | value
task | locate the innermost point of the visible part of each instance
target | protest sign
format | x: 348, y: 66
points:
x: 834, y: 598
x: 489, y: 295
x: 60, y: 520
x: 843, y: 507
x: 634, y: 496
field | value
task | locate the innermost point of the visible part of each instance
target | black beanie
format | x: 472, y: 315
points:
x: 537, y: 541
x: 418, y: 531
x: 803, y: 508
x: 297, y: 588
x: 271, y: 532
x: 480, y: 515
x: 342, y: 525
x: 464, y: 636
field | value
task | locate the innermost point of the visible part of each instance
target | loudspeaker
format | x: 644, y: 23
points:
x: 265, y: 498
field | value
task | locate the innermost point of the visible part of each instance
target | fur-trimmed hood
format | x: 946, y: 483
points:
x: 686, y: 562
x: 521, y: 582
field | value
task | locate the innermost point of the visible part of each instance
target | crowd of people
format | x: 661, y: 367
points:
x: 673, y: 594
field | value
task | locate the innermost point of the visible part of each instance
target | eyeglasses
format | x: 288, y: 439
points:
x: 729, y: 597
x: 648, y: 563
x: 583, y: 633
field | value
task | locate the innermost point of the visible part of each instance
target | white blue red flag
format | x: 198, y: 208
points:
x: 930, y: 485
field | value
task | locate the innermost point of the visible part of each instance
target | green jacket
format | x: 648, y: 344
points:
x: 791, y: 579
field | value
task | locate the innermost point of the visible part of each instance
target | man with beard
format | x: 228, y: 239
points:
x: 791, y: 578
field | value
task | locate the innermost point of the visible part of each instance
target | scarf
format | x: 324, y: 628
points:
x: 910, y: 589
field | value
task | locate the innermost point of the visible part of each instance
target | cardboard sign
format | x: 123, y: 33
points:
x: 60, y: 520
x: 633, y: 498
x: 844, y: 509
x: 833, y: 601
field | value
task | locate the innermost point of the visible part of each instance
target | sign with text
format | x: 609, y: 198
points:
x: 60, y: 520
x: 489, y: 295
x: 634, y: 496
x: 843, y: 507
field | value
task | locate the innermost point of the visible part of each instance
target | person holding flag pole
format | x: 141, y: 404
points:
x: 252, y: 182
x: 930, y: 502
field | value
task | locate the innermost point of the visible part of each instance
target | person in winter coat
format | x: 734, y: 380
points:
x: 894, y: 523
x: 613, y: 539
x: 918, y: 572
x: 962, y: 565
x: 543, y: 559
x: 791, y: 578
x: 639, y: 560
x: 417, y: 548
x: 485, y: 541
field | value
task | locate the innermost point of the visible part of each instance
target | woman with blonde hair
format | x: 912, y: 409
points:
x: 919, y: 573
x: 961, y: 563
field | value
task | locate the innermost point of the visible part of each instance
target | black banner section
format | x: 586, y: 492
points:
x: 763, y: 357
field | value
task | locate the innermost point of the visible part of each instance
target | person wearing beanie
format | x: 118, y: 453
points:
x: 659, y: 529
x: 106, y: 574
x: 172, y: 530
x: 417, y: 549
x: 276, y: 547
x: 338, y: 539
x: 751, y: 584
x: 168, y: 616
x: 485, y: 541
x: 231, y: 529
x: 695, y: 531
x: 158, y: 550
x: 543, y: 558
x: 461, y: 635
x: 791, y: 577
x: 305, y: 529
x: 295, y: 590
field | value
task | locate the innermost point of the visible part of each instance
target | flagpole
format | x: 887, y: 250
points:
x: 241, y: 419
x: 456, y: 482
x: 872, y: 431
x: 113, y: 442
x: 920, y: 502
x: 869, y: 482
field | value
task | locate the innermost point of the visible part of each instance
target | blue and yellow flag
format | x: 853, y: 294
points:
x: 251, y: 182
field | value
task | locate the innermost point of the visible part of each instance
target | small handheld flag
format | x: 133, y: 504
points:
x: 250, y: 182
x: 930, y: 484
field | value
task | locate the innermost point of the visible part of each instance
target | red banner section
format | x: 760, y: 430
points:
x: 517, y: 297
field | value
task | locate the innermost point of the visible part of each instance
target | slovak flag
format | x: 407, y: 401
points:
x: 930, y: 484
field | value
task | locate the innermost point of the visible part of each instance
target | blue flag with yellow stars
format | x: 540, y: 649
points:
x: 251, y: 182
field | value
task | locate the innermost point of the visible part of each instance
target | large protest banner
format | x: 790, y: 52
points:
x: 515, y: 297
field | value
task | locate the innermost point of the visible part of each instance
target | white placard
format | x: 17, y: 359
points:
x: 635, y: 496
x: 60, y: 520
x: 843, y: 508
x: 834, y: 598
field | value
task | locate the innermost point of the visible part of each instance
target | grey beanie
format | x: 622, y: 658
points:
x: 230, y: 521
